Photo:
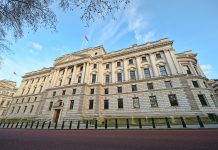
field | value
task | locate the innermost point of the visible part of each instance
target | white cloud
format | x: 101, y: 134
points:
x: 36, y: 46
x: 207, y: 69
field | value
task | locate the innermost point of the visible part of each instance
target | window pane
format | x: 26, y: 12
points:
x: 93, y: 78
x: 136, y: 102
x: 132, y: 75
x: 147, y: 73
x: 150, y: 86
x: 106, y: 104
x: 119, y: 89
x: 134, y: 88
x: 71, y: 104
x: 107, y: 78
x: 195, y: 84
x: 168, y: 84
x: 173, y: 100
x: 90, y: 104
x: 120, y: 103
x: 119, y: 76
x: 153, y: 101
x: 163, y: 71
x: 202, y: 99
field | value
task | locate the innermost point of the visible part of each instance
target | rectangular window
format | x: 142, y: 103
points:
x: 31, y: 110
x: 119, y: 89
x: 35, y: 98
x: 195, y: 84
x: 93, y: 78
x: 69, y: 81
x: 150, y: 86
x: 153, y: 101
x: 92, y: 91
x: 18, y: 109
x: 79, y: 79
x: 50, y: 106
x: 120, y: 103
x: 107, y: 66
x: 74, y: 91
x: 17, y: 100
x: 63, y: 92
x: 144, y: 59
x: 118, y: 64
x: 94, y: 66
x: 60, y: 82
x: 54, y: 93
x: 168, y: 84
x: 187, y: 69
x: 81, y: 68
x: 106, y: 91
x: 107, y: 78
x: 71, y: 104
x: 202, y: 99
x: 132, y: 75
x: 163, y: 71
x: 136, y: 102
x: 119, y: 77
x: 12, y: 110
x: 91, y: 102
x: 130, y: 61
x: 134, y: 88
x: 147, y: 73
x: 158, y: 56
x: 24, y: 109
x: 106, y: 104
x: 173, y: 100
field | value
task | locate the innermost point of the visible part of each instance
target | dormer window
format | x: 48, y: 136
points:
x: 158, y: 56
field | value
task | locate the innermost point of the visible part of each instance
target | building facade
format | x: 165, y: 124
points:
x: 7, y: 89
x: 215, y: 87
x: 148, y: 80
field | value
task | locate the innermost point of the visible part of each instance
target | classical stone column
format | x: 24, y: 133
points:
x: 64, y: 76
x: 139, y: 70
x: 192, y: 68
x: 175, y: 62
x: 113, y: 69
x: 83, y: 72
x: 100, y: 73
x: 56, y: 78
x: 86, y: 79
x: 154, y: 68
x: 170, y: 63
x: 73, y: 77
x: 125, y: 70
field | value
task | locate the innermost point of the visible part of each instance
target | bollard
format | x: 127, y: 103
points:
x: 127, y: 123
x: 21, y: 125
x: 87, y: 124
x: 32, y: 124
x: 70, y: 125
x: 78, y: 124
x: 183, y: 122
x: 49, y: 124
x: 62, y: 127
x: 105, y: 124
x: 37, y: 125
x: 26, y: 124
x: 8, y: 125
x: 17, y: 125
x: 167, y: 122
x: 153, y: 123
x: 140, y: 123
x: 96, y: 124
x: 116, y: 123
x: 43, y: 124
x: 12, y: 124
x: 200, y: 122
x: 56, y: 124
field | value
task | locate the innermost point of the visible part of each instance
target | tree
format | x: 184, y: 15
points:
x: 34, y: 14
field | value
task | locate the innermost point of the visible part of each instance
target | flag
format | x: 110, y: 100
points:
x: 86, y: 38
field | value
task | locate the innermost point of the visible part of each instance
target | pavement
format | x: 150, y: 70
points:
x: 158, y: 139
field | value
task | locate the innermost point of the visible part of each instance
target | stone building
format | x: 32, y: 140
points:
x: 215, y: 87
x: 7, y: 89
x: 148, y: 80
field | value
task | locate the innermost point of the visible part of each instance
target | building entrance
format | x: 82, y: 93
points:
x: 56, y: 115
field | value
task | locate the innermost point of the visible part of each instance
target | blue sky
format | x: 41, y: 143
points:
x: 193, y: 25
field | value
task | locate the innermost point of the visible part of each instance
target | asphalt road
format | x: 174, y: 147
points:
x: 26, y: 139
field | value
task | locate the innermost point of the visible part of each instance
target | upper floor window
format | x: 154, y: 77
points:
x: 158, y: 56
x: 195, y: 84
x: 12, y: 110
x: 69, y: 81
x: 134, y: 88
x: 63, y: 92
x: 163, y: 71
x: 18, y: 109
x: 71, y: 104
x: 144, y: 59
x: 35, y: 98
x: 173, y: 100
x: 187, y: 69
x: 147, y: 73
x: 31, y: 110
x: 79, y: 79
x: 168, y: 84
x: 119, y: 77
x: 203, y: 99
x: 92, y: 91
x: 132, y: 75
x: 119, y: 89
x: 107, y: 66
x: 93, y: 78
x: 91, y: 104
x: 74, y: 91
x: 50, y: 106
x: 81, y: 68
x: 136, y: 102
x: 106, y: 91
x: 94, y: 66
x: 106, y: 104
x: 153, y: 101
x: 107, y: 78
x: 130, y: 61
x: 120, y: 103
x: 118, y: 64
x: 150, y: 86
